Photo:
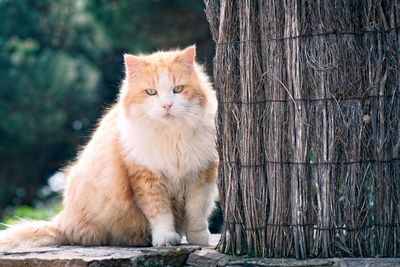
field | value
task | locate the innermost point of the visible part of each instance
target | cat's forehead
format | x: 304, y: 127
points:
x: 159, y: 59
x: 165, y: 73
x: 164, y: 80
x: 160, y: 70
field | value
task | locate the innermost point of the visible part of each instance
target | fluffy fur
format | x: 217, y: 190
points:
x: 148, y: 174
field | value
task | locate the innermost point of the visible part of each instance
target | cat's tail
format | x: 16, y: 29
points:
x: 31, y: 234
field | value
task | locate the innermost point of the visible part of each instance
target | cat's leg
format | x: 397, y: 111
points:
x: 151, y: 197
x: 199, y: 202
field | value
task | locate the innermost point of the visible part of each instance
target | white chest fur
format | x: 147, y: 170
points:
x: 173, y: 150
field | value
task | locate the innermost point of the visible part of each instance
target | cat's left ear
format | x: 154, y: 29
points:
x: 188, y: 56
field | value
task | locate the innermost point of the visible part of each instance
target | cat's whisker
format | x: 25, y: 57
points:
x: 195, y: 116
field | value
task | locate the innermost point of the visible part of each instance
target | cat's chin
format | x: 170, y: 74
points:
x: 168, y: 118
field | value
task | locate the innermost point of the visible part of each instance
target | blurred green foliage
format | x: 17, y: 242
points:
x: 28, y: 213
x: 61, y: 64
x: 48, y: 84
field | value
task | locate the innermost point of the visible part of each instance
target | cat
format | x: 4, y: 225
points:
x: 148, y: 174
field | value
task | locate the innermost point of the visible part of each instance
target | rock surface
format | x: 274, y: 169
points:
x: 184, y: 255
x: 211, y: 258
x: 97, y: 256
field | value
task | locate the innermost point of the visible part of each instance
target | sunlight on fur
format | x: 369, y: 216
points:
x: 148, y: 174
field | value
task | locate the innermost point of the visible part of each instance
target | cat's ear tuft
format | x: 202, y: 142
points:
x: 132, y: 64
x: 188, y: 55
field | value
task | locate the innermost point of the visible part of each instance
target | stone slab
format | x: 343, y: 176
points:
x: 97, y: 256
x: 211, y: 258
x: 184, y: 255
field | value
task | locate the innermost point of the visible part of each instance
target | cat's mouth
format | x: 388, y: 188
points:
x: 168, y: 116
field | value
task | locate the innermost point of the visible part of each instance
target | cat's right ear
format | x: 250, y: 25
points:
x: 132, y: 65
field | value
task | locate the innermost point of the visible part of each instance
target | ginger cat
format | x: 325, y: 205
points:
x: 148, y: 174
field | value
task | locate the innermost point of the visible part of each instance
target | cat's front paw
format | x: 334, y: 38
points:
x: 166, y: 238
x: 201, y: 237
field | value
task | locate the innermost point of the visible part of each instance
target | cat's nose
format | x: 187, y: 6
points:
x: 167, y: 107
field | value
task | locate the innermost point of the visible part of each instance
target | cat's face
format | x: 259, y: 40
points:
x: 164, y: 86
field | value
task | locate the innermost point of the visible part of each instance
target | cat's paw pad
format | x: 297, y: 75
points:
x: 201, y: 237
x: 166, y: 238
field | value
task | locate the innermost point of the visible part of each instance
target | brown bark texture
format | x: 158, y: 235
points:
x: 309, y: 126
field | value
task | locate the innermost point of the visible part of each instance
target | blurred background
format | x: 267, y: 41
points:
x: 60, y: 65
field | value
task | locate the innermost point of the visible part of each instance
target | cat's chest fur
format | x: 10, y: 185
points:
x: 175, y: 152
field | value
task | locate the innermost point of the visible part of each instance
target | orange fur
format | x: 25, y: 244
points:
x: 113, y: 199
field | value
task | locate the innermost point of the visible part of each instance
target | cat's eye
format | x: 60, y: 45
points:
x: 151, y: 91
x: 178, y: 89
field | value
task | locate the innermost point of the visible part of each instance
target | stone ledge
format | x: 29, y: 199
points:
x: 212, y: 258
x: 97, y: 256
x: 184, y: 255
